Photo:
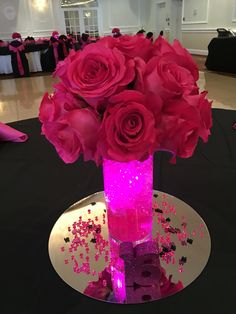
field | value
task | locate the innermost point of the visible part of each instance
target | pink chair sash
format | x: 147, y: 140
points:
x: 64, y: 49
x: 55, y: 51
x: 65, y: 52
x: 19, y: 62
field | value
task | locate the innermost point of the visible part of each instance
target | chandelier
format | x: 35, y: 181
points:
x: 70, y: 3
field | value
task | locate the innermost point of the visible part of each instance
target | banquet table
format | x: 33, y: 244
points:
x: 33, y: 54
x: 37, y: 187
x: 221, y: 54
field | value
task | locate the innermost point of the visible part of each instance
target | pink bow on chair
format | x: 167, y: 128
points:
x: 7, y: 133
x: 55, y: 51
x: 17, y: 51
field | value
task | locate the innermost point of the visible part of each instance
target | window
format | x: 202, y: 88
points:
x: 91, y: 22
x: 72, y: 22
x: 81, y: 17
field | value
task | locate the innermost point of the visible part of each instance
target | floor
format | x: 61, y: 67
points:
x: 20, y: 98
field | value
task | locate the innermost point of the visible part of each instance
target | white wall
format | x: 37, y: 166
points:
x: 200, y: 28
x: 128, y: 15
x: 201, y: 14
x: 215, y: 13
x: 22, y: 16
x: 202, y: 17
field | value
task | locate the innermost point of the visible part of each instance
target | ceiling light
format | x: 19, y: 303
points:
x: 40, y: 5
x: 69, y: 3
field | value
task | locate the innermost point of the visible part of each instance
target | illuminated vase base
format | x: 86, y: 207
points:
x: 128, y: 188
x: 83, y: 256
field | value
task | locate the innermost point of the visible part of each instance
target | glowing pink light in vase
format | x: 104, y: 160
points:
x: 128, y: 188
x: 117, y: 270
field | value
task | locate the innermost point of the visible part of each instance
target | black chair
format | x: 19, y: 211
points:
x: 223, y: 32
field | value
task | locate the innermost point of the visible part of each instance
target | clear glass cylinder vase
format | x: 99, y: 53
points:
x: 128, y: 188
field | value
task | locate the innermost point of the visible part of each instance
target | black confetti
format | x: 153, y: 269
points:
x: 168, y: 219
x: 173, y: 247
x: 165, y: 249
x: 93, y: 203
x: 190, y: 241
x: 183, y: 260
x: 98, y: 230
x: 155, y: 195
x: 170, y: 229
x: 158, y: 210
x: 67, y: 239
x: 93, y: 240
x: 104, y: 210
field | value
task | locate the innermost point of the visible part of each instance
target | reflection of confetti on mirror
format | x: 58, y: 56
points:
x: 88, y: 231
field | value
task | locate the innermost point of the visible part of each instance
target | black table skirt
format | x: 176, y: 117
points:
x: 221, y: 54
x: 28, y: 48
x: 36, y: 188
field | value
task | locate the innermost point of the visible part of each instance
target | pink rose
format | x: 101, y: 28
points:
x: 99, y: 72
x: 70, y: 126
x: 206, y: 115
x: 54, y: 106
x: 130, y: 46
x: 203, y: 106
x: 169, y: 77
x: 61, y: 68
x: 140, y: 68
x: 97, y: 290
x: 181, y: 128
x: 163, y: 47
x: 64, y: 139
x: 128, y: 131
x: 167, y: 286
x: 74, y: 134
x: 189, y: 62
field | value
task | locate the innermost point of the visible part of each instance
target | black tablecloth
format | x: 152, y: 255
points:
x: 28, y: 48
x: 221, y: 54
x: 36, y: 188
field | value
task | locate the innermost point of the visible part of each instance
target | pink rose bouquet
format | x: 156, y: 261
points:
x: 125, y: 98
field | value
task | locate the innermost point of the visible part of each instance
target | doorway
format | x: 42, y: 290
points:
x: 160, y: 17
x: 176, y: 20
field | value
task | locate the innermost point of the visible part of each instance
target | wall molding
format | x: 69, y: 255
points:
x: 43, y: 30
x: 10, y: 33
x: 124, y: 27
x: 107, y: 33
x: 234, y: 12
x: 196, y: 22
x: 124, y: 30
x: 7, y: 36
x: 198, y: 52
x: 199, y: 30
